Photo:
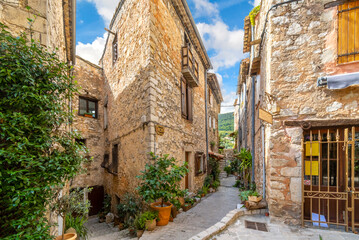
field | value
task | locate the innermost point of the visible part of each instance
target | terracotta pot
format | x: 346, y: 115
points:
x: 164, y: 213
x: 150, y: 225
x: 254, y: 198
x: 121, y: 226
x: 186, y: 207
x: 174, y: 212
x: 139, y: 233
x: 67, y: 236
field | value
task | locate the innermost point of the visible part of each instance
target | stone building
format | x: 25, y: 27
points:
x: 214, y: 101
x: 148, y: 94
x: 299, y: 109
x: 53, y: 26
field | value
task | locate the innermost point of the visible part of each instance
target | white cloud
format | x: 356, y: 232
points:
x: 92, y: 51
x: 255, y: 2
x: 227, y: 44
x: 106, y: 8
x: 204, y: 8
x: 220, y: 80
x: 228, y: 101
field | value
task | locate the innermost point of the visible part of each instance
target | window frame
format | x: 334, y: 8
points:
x: 87, y: 99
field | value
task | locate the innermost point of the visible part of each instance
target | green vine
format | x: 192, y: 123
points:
x: 253, y: 14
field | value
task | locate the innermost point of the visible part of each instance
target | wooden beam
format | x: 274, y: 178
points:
x: 255, y: 42
x: 336, y: 3
x: 321, y: 123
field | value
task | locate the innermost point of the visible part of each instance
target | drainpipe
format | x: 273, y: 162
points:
x: 253, y: 124
x: 206, y: 112
x: 264, y: 163
x: 239, y: 128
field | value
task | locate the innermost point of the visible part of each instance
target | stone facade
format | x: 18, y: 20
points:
x: 300, y: 45
x: 53, y: 23
x: 137, y: 88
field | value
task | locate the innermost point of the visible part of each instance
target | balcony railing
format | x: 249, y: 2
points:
x: 189, y: 67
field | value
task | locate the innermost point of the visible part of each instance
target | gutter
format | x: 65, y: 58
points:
x: 206, y: 113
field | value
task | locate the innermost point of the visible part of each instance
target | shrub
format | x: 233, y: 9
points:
x: 161, y: 180
x: 244, y: 195
x: 129, y: 207
x: 37, y: 152
x: 77, y: 223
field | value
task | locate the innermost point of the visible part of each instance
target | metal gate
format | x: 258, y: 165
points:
x: 330, y: 178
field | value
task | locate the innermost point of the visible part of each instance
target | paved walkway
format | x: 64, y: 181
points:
x: 237, y: 231
x: 104, y: 231
x: 205, y: 214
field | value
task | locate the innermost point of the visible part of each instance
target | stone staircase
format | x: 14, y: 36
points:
x: 104, y: 231
x: 222, y: 164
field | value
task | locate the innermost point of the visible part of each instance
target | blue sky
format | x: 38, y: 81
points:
x: 220, y: 22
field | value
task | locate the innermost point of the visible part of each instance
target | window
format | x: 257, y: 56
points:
x: 114, y: 49
x: 214, y: 123
x: 186, y: 100
x: 200, y: 163
x: 87, y: 107
x: 209, y: 96
x: 115, y: 158
x: 348, y: 29
x: 106, y: 161
x: 210, y: 122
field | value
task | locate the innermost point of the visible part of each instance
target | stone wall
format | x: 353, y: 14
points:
x: 127, y: 88
x: 214, y: 108
x: 181, y: 135
x: 300, y: 46
x: 90, y: 79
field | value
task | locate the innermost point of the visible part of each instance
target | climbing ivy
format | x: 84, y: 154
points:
x: 38, y: 153
x: 253, y: 14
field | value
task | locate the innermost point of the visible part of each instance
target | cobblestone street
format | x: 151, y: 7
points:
x: 237, y: 231
x: 205, y: 214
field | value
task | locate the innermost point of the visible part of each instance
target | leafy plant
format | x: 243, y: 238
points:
x: 245, y: 164
x: 71, y: 203
x: 38, y: 153
x: 253, y: 14
x: 213, y: 143
x: 129, y: 207
x: 228, y: 169
x: 140, y: 223
x: 150, y: 215
x: 77, y: 223
x: 161, y: 179
x: 106, y: 205
x: 205, y: 189
x: 189, y: 200
x: 215, y: 184
x: 244, y: 195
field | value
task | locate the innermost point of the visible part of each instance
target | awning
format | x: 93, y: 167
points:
x: 339, y: 81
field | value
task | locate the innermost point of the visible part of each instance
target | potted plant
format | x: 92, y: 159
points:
x: 188, y: 204
x: 88, y: 114
x: 160, y: 181
x: 150, y: 218
x: 77, y: 223
x: 128, y: 208
x: 68, y: 204
x: 140, y: 225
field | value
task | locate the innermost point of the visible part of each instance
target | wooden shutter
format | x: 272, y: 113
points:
x: 348, y: 30
x: 183, y: 98
x: 114, y: 49
x: 204, y: 162
x: 189, y: 103
x: 197, y: 163
x: 106, y: 159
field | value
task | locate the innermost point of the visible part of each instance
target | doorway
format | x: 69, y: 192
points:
x: 330, y: 177
x: 96, y: 198
x: 187, y: 175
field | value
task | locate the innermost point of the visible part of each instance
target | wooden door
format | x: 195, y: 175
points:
x: 96, y: 198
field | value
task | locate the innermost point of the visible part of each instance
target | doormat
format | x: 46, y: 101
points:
x: 256, y: 226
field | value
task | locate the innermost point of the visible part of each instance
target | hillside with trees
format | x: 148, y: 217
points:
x: 226, y: 122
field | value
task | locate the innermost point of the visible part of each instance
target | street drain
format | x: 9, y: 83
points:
x: 256, y: 226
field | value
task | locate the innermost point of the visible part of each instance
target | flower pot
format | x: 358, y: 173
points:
x: 139, y: 233
x: 186, y: 207
x: 174, y: 212
x: 121, y: 226
x: 88, y: 115
x: 164, y: 213
x: 150, y: 225
x: 254, y: 198
x: 67, y: 236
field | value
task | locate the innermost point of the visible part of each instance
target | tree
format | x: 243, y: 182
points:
x: 38, y: 153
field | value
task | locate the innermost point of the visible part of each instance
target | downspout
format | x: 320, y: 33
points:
x: 253, y: 125
x: 264, y: 163
x: 239, y: 128
x: 206, y: 112
x: 253, y: 102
